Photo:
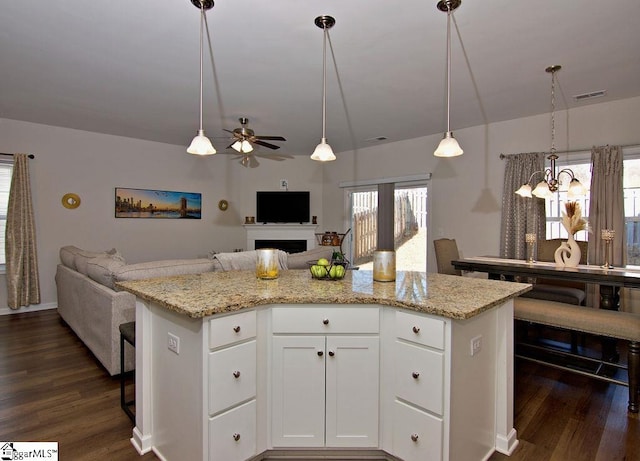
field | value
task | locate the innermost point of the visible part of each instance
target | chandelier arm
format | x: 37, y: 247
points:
x: 567, y: 171
x: 533, y: 174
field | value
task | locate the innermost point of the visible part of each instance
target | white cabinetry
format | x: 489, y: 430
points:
x: 419, y: 387
x: 232, y: 387
x: 325, y: 376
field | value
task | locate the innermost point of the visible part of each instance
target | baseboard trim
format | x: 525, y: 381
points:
x: 31, y: 308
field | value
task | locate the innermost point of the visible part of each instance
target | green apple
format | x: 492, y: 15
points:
x: 336, y: 272
x: 318, y: 271
x: 323, y: 262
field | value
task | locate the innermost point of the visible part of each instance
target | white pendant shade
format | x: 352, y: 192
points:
x: 576, y: 189
x: 448, y: 147
x: 201, y: 145
x: 524, y: 191
x: 323, y: 152
x: 542, y: 190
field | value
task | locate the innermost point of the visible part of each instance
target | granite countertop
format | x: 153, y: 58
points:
x: 211, y: 293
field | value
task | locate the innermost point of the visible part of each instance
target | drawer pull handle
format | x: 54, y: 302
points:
x: 415, y: 375
x: 236, y: 436
x: 416, y: 330
x: 331, y: 353
x: 236, y: 374
x: 414, y: 437
x: 326, y: 321
x: 236, y: 328
x: 320, y: 353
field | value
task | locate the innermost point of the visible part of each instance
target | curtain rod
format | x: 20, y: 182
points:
x: 503, y: 156
x: 11, y: 155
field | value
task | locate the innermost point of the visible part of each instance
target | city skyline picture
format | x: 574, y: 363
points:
x: 159, y: 204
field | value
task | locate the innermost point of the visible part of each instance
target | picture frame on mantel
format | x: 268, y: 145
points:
x: 157, y: 204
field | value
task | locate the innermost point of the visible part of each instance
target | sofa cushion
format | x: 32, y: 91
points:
x: 76, y: 258
x: 301, y: 260
x: 165, y: 268
x: 81, y: 259
x: 102, y: 268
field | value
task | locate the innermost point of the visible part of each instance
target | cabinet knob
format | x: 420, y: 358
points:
x: 331, y: 353
x: 414, y: 437
x: 236, y: 374
x: 320, y: 353
x: 415, y: 375
x: 236, y: 328
x: 236, y: 436
x: 416, y: 330
x: 325, y: 321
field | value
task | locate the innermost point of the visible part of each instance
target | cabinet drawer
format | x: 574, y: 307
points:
x: 419, y: 376
x: 232, y: 376
x: 231, y: 328
x: 421, y: 330
x: 232, y: 435
x: 417, y: 436
x: 329, y: 319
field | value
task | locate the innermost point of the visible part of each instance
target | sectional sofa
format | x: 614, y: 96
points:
x: 94, y: 309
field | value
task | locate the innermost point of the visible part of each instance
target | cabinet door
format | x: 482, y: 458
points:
x: 352, y: 391
x: 298, y: 391
x: 232, y: 435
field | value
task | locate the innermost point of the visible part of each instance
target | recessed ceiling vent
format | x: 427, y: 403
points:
x: 591, y: 95
x: 377, y: 139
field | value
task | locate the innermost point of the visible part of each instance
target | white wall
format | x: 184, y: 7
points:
x: 466, y: 192
x: 93, y: 165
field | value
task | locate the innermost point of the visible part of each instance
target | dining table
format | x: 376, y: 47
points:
x: 610, y: 280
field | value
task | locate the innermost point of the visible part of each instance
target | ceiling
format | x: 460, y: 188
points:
x: 131, y: 68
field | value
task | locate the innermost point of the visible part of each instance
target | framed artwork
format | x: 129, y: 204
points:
x: 157, y: 204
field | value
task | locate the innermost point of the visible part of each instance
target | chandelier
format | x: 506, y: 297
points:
x: 550, y: 182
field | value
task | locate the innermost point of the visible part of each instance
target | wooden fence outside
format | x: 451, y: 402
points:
x: 410, y: 216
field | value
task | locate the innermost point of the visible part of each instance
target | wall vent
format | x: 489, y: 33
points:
x: 377, y: 139
x: 591, y: 95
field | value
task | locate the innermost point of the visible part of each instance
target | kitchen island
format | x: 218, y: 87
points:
x: 229, y: 367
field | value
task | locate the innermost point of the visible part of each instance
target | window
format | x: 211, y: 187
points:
x: 631, y: 182
x: 6, y: 170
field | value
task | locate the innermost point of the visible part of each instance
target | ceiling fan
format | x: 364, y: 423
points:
x: 244, y: 136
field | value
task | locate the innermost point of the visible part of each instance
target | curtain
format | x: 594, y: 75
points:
x: 606, y: 209
x: 520, y: 215
x: 23, y: 285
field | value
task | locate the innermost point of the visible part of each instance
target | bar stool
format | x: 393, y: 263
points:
x: 128, y: 334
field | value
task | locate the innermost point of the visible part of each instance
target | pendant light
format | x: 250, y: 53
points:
x: 551, y: 182
x: 323, y: 151
x: 201, y: 144
x: 448, y: 147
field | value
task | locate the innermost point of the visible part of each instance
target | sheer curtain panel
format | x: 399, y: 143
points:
x: 23, y: 284
x: 520, y: 215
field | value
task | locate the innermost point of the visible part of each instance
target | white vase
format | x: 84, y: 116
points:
x: 568, y: 253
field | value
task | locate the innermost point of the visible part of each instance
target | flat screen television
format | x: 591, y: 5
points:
x: 282, y: 207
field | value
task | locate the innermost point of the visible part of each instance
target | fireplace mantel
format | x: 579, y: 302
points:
x: 281, y: 232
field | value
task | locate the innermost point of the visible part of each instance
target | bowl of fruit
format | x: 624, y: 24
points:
x: 323, y: 269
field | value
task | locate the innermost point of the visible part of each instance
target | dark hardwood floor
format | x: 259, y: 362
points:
x: 52, y: 389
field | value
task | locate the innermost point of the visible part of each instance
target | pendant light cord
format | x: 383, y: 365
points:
x: 553, y: 112
x: 448, y: 67
x: 201, y: 38
x: 324, y: 83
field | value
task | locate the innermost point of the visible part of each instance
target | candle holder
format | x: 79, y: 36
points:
x: 607, y: 236
x: 531, y: 241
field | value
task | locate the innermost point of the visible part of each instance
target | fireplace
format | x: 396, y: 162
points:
x: 290, y: 246
x: 292, y: 238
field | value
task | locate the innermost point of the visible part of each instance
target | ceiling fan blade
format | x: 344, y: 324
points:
x: 266, y: 144
x: 271, y: 138
x: 228, y: 131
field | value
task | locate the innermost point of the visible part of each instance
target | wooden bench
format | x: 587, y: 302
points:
x: 608, y: 323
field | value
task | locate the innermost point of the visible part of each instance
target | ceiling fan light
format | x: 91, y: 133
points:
x: 246, y: 146
x: 323, y: 152
x: 237, y: 146
x: 448, y: 147
x: 542, y: 190
x: 524, y: 191
x: 201, y: 145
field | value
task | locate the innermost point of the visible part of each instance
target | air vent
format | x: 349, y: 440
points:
x: 591, y: 95
x: 376, y: 139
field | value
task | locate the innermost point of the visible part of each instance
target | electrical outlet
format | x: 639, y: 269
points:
x: 284, y: 184
x: 173, y: 343
x: 476, y: 345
